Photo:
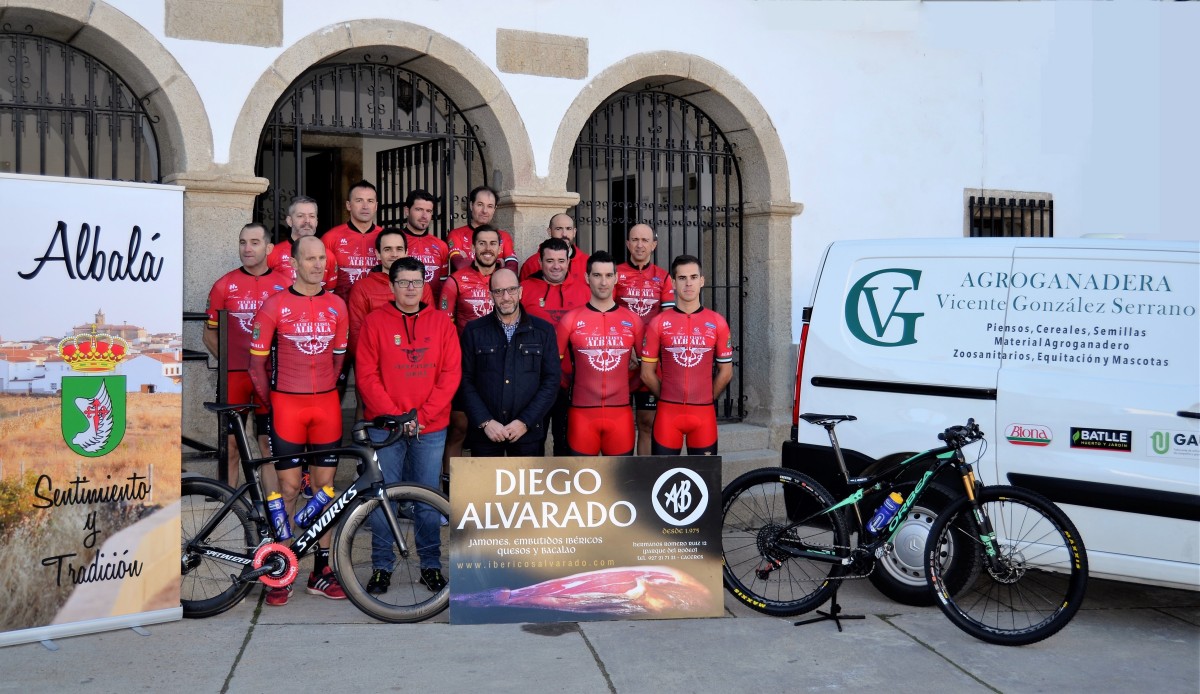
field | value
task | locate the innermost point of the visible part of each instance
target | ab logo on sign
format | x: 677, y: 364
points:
x: 93, y: 407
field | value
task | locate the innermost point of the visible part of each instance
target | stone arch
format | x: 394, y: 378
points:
x: 181, y: 124
x: 767, y: 207
x: 722, y: 96
x: 458, y: 72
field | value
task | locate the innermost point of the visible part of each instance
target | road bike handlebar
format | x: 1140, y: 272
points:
x: 391, y: 423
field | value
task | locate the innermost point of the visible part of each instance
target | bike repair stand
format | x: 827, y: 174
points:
x: 834, y: 613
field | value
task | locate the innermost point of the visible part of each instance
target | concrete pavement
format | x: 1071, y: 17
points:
x: 1125, y: 638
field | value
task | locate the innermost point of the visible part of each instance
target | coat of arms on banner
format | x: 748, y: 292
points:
x: 93, y: 407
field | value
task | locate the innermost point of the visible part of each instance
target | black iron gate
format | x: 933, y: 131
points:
x: 656, y: 158
x: 348, y: 109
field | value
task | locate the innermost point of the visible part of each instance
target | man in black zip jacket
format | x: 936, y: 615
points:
x: 511, y: 375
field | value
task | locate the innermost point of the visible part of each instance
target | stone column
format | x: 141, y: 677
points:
x: 767, y: 230
x: 527, y: 212
x: 215, y: 207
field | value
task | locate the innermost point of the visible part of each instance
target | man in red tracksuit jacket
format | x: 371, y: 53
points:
x: 408, y: 357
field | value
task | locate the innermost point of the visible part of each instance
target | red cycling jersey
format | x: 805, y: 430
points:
x: 645, y: 291
x: 467, y: 296
x: 373, y: 292
x: 307, y: 332
x: 240, y: 294
x: 597, y: 347
x: 434, y: 252
x: 462, y: 248
x: 577, y: 268
x: 692, y: 341
x: 280, y: 259
x: 552, y: 301
x: 353, y: 252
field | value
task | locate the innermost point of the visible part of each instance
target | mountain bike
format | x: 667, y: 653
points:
x: 229, y: 543
x: 1005, y: 564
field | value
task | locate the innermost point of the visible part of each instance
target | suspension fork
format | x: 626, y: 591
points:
x: 983, y: 529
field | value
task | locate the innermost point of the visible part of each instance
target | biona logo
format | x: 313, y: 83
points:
x: 1028, y: 435
x: 882, y: 299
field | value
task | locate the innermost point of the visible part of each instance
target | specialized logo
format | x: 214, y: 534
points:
x: 679, y: 496
x: 881, y: 298
x: 688, y: 356
x: 1102, y: 439
x: 93, y: 407
x: 1028, y: 434
x: 1175, y: 444
x: 604, y: 359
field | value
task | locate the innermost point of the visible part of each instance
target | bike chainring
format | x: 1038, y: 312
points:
x: 287, y: 567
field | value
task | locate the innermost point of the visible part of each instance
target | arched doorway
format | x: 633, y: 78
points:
x: 654, y: 157
x: 358, y: 117
x: 71, y: 115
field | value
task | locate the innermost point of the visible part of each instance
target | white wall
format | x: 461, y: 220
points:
x: 886, y: 111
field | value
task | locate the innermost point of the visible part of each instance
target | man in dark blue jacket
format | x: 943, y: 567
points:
x: 510, y: 375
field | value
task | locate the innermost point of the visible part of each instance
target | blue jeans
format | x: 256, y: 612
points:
x: 410, y: 460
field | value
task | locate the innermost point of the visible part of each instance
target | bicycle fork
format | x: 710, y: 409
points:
x: 984, y: 531
x: 393, y: 522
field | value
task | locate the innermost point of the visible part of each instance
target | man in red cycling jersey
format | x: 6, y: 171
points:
x: 686, y: 340
x: 561, y: 227
x: 352, y: 245
x: 374, y: 291
x: 302, y: 218
x: 598, y: 343
x: 305, y: 329
x: 480, y: 210
x: 409, y: 357
x: 433, y: 252
x: 646, y: 289
x: 240, y: 293
x: 549, y: 294
x: 465, y: 297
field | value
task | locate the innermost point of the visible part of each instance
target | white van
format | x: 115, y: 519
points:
x: 1080, y: 358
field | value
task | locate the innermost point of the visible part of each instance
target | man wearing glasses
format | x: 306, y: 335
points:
x: 408, y: 357
x: 510, y: 375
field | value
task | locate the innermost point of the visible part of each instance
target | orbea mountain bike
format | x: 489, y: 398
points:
x: 1005, y: 564
x: 229, y: 543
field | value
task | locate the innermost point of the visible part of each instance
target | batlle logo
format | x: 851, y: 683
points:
x: 1102, y: 439
x: 1028, y: 434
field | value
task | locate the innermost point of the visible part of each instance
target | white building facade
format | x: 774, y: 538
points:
x: 751, y: 133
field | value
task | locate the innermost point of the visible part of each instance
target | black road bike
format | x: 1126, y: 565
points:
x: 1004, y: 563
x: 229, y: 544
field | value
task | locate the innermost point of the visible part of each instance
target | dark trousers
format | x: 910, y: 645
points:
x: 556, y: 423
x: 483, y: 447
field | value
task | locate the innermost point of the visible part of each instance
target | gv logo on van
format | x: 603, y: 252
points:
x: 898, y: 280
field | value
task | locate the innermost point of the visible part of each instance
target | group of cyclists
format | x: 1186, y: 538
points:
x: 394, y: 305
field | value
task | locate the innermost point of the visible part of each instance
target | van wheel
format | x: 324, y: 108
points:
x: 901, y: 574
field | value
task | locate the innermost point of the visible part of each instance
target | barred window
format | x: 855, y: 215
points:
x: 1008, y: 213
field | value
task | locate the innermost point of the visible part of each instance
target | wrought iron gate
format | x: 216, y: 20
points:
x: 70, y: 114
x: 337, y: 107
x: 656, y: 158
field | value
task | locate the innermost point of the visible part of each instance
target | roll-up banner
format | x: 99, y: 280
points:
x: 573, y: 539
x: 90, y: 405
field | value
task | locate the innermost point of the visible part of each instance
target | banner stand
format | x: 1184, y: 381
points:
x: 91, y: 626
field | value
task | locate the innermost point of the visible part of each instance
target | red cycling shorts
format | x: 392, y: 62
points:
x: 305, y: 422
x: 675, y: 421
x: 600, y: 430
x: 240, y: 390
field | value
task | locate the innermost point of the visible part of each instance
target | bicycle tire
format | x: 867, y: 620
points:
x: 755, y: 508
x: 406, y: 599
x: 206, y: 588
x: 1041, y: 582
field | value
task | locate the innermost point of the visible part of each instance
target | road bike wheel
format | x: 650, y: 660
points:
x: 206, y: 588
x: 406, y: 598
x: 900, y: 575
x: 1040, y: 579
x: 756, y: 509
